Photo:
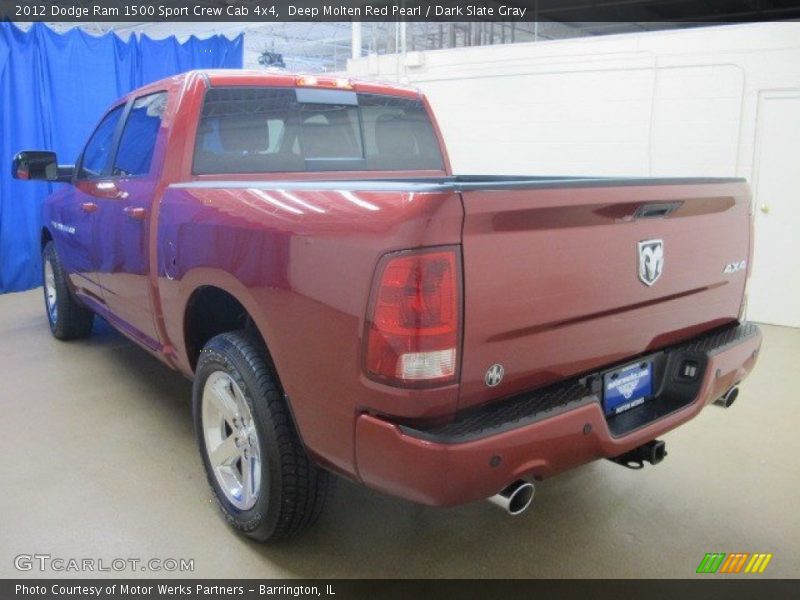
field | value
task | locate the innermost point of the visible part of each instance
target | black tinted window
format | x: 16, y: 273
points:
x: 139, y: 136
x: 398, y: 134
x: 98, y: 149
x: 252, y: 130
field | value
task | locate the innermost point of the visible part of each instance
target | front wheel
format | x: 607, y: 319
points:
x: 68, y: 319
x: 263, y: 481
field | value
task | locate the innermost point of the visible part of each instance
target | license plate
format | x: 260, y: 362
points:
x: 627, y: 387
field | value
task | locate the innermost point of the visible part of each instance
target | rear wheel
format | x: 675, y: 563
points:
x: 68, y: 319
x: 263, y: 481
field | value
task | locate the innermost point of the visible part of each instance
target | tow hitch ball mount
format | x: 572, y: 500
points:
x: 652, y: 452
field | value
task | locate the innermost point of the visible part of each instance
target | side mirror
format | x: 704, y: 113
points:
x: 35, y: 165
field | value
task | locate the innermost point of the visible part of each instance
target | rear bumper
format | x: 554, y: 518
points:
x: 545, y: 432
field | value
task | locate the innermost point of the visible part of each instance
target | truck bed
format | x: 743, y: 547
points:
x: 550, y: 266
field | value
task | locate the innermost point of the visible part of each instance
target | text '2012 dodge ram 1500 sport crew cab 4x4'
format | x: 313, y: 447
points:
x: 300, y: 248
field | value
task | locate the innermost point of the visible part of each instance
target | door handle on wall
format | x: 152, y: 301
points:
x: 134, y: 212
x: 88, y: 207
x: 765, y: 209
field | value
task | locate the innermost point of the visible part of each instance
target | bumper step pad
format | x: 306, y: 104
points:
x: 524, y: 409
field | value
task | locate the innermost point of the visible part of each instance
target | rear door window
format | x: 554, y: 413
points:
x: 138, y: 141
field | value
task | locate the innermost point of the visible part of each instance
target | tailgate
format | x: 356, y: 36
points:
x: 559, y: 281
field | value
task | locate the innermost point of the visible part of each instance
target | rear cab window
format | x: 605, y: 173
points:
x: 267, y: 130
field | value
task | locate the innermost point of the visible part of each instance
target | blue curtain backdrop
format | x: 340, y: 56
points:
x: 53, y: 90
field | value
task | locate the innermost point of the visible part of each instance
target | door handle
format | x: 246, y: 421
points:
x: 134, y: 212
x: 765, y: 209
x: 88, y: 207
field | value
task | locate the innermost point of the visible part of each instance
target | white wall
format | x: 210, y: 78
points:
x: 671, y: 103
x: 664, y: 103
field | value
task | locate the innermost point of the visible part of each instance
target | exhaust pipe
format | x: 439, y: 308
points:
x: 728, y: 398
x: 515, y: 499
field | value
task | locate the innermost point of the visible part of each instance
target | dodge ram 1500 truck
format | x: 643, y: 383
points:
x: 300, y: 248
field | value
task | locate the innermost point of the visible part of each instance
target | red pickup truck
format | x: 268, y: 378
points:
x: 300, y: 248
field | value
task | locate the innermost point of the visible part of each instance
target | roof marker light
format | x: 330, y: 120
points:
x: 341, y: 83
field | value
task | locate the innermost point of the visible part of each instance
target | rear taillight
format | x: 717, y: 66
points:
x: 414, y: 318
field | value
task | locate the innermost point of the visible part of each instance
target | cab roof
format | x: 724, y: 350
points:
x: 252, y: 77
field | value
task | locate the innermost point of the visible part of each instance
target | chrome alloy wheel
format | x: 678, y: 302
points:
x: 50, y: 293
x: 231, y: 440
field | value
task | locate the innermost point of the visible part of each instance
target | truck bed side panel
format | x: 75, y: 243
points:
x: 301, y: 261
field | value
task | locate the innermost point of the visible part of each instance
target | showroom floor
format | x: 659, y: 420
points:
x: 99, y: 461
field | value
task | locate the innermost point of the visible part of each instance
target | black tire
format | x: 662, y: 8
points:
x: 68, y: 319
x: 296, y: 488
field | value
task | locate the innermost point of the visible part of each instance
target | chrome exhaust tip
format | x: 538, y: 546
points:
x: 728, y: 398
x: 515, y: 499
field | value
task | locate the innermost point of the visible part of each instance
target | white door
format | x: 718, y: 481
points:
x: 774, y: 291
